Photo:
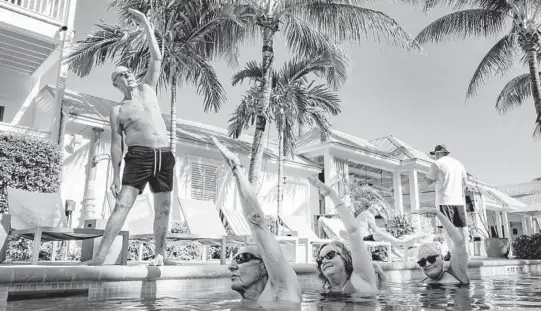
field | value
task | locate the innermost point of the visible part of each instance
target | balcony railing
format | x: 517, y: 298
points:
x: 6, y: 127
x: 54, y: 9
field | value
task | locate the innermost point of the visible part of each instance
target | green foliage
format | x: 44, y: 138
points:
x: 175, y: 252
x: 527, y: 246
x: 399, y: 225
x: 21, y: 250
x: 28, y: 163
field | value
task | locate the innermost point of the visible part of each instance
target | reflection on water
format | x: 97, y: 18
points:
x: 514, y: 291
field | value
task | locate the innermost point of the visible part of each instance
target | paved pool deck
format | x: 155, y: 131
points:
x: 55, y: 272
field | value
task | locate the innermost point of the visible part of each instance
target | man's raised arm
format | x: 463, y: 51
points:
x: 154, y: 67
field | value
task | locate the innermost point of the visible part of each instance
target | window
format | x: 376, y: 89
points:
x: 2, y: 113
x: 204, y: 182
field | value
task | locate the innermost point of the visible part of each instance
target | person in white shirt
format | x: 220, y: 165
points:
x: 450, y: 179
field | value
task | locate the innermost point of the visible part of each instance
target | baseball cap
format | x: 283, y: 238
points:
x: 439, y: 148
x: 118, y: 70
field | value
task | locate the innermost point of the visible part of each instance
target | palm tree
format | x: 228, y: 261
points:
x: 364, y: 196
x: 489, y: 18
x: 309, y: 27
x: 190, y: 34
x: 297, y: 104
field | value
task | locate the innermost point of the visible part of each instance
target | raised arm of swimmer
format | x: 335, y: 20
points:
x: 154, y: 67
x: 282, y: 277
x: 365, y: 280
x: 458, y: 265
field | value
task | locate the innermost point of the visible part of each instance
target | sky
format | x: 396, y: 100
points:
x: 419, y: 99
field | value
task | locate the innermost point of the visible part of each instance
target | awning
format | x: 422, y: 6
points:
x: 531, y: 210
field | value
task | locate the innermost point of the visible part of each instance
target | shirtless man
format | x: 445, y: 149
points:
x: 138, y: 123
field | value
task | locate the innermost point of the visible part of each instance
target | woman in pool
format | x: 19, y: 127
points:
x: 431, y: 258
x: 342, y: 269
x: 259, y: 272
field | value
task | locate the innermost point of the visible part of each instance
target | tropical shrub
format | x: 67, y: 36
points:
x: 32, y: 164
x: 28, y: 163
x: 192, y: 251
x: 527, y: 246
x: 399, y: 225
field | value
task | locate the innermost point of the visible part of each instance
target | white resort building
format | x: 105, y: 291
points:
x: 32, y: 35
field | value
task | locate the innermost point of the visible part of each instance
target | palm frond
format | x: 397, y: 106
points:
x: 252, y: 71
x: 463, y: 24
x: 514, y: 93
x: 498, y: 60
x: 347, y: 21
x: 244, y: 114
x: 332, y: 68
x: 501, y: 5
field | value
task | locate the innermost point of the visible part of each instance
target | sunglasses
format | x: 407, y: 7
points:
x: 329, y: 256
x: 430, y: 259
x: 124, y: 74
x: 245, y: 257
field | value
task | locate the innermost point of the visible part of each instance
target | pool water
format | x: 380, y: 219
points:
x: 505, y: 288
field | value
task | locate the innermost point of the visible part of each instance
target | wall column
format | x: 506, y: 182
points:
x: 524, y: 221
x: 329, y: 166
x: 397, y: 193
x: 507, y: 231
x: 89, y: 203
x: 499, y: 224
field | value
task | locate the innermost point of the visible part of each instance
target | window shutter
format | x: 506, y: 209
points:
x: 204, y: 182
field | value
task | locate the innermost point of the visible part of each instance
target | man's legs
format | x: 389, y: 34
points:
x: 162, y: 208
x: 124, y: 203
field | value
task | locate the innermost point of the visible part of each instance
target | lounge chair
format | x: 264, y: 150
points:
x: 40, y: 217
x: 240, y: 227
x: 334, y: 228
x: 201, y: 217
x: 305, y: 234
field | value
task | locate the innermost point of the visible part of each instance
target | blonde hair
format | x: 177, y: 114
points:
x: 429, y: 249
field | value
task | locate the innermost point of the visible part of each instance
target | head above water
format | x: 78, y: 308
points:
x: 123, y: 78
x: 333, y: 260
x: 431, y: 260
x: 248, y: 270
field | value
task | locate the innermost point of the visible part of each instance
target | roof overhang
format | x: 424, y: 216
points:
x: 87, y: 121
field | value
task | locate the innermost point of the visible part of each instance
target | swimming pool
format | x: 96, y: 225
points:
x: 502, y: 288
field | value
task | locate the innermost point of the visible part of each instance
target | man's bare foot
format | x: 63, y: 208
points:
x: 159, y: 260
x: 92, y: 262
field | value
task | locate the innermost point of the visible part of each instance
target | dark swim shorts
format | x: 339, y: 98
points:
x: 456, y: 214
x: 144, y: 164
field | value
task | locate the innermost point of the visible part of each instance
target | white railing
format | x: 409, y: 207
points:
x: 55, y: 9
x: 6, y: 127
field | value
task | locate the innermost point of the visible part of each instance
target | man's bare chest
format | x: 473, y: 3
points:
x: 137, y: 110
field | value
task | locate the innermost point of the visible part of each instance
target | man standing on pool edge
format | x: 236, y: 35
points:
x: 451, y: 180
x: 138, y: 123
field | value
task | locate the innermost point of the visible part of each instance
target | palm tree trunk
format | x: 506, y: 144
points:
x: 254, y: 172
x: 173, y: 137
x: 531, y: 54
x: 280, y: 170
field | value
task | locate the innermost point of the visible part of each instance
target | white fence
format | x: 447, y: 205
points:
x: 55, y: 9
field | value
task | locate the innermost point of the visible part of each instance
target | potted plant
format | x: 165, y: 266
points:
x: 494, y: 246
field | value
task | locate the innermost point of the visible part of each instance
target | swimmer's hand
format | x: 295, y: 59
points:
x: 231, y: 158
x: 323, y: 188
x: 140, y: 18
x: 426, y: 211
x: 115, y: 187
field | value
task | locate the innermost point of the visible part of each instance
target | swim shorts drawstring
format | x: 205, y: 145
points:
x: 157, y: 161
